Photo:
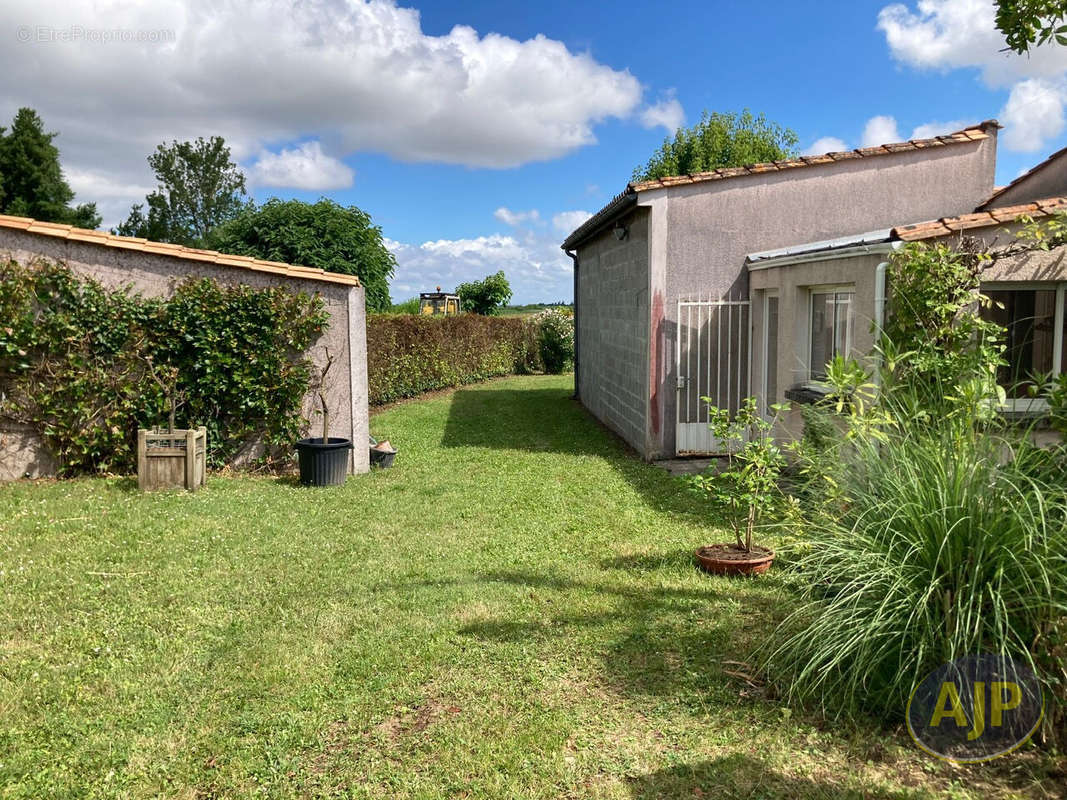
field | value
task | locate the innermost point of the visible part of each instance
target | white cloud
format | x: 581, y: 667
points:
x: 928, y: 130
x: 360, y: 74
x: 113, y: 198
x: 666, y: 113
x: 536, y: 268
x: 827, y: 144
x: 567, y: 221
x: 301, y: 167
x: 960, y: 34
x: 1033, y: 114
x: 880, y: 130
x: 513, y: 218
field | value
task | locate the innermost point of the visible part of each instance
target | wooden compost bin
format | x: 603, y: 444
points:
x: 171, y: 460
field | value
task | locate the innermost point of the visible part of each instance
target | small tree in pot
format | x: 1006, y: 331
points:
x: 323, y: 460
x: 744, y: 490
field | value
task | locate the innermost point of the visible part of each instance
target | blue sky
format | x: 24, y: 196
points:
x: 478, y: 148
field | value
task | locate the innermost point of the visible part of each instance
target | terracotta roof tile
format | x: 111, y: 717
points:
x: 82, y: 235
x: 973, y: 134
x: 979, y: 219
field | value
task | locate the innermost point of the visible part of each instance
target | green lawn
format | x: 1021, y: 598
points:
x: 511, y: 611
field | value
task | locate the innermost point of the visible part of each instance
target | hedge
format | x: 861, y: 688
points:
x: 408, y: 355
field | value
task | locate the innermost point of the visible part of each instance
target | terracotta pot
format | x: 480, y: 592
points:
x: 726, y: 559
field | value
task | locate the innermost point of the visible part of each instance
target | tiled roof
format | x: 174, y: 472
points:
x: 629, y: 195
x: 997, y: 192
x: 977, y: 133
x: 72, y: 234
x: 980, y: 219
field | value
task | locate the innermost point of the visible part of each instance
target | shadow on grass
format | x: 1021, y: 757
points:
x: 656, y: 640
x: 741, y: 776
x: 552, y: 421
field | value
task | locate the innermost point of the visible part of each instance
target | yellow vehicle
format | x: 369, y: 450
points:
x: 438, y: 304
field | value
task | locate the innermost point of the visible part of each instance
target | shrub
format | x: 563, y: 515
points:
x: 409, y: 355
x: 409, y: 306
x: 555, y: 339
x: 76, y: 362
x: 487, y: 296
x: 937, y: 549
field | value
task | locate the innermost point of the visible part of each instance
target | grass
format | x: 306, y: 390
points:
x: 511, y: 611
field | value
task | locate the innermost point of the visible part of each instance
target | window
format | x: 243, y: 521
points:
x: 770, y: 352
x: 832, y: 324
x: 1034, y: 320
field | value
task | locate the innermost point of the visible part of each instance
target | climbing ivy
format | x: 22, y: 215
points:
x: 81, y: 364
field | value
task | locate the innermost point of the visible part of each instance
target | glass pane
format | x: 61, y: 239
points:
x: 1029, y: 316
x: 770, y: 356
x: 822, y: 333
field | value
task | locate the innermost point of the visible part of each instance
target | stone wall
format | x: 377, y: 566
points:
x: 22, y: 454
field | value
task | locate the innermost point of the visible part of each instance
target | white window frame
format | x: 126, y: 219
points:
x: 812, y: 293
x: 765, y: 337
x: 1024, y: 404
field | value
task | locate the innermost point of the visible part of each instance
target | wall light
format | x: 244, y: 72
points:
x: 620, y: 231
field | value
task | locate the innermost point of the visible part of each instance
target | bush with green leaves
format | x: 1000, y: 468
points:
x: 748, y: 488
x: 411, y: 354
x: 555, y: 339
x: 77, y: 363
x: 487, y: 296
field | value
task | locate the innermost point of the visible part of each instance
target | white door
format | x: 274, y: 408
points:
x: 712, y: 361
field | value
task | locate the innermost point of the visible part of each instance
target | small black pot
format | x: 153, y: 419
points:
x: 323, y: 464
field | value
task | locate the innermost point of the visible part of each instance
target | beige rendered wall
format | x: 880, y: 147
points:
x: 1046, y: 181
x: 709, y: 228
x: 22, y: 454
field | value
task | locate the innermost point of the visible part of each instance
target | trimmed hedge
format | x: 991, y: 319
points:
x: 409, y: 355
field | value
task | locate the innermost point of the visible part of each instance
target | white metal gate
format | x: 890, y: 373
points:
x: 712, y: 360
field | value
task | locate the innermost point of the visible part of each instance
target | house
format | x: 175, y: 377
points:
x: 154, y: 269
x: 747, y: 280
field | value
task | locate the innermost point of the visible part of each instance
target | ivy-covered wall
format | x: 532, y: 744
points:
x: 160, y: 277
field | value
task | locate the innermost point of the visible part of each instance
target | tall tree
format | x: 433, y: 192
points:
x: 325, y: 234
x: 719, y: 140
x: 32, y: 179
x: 1031, y: 23
x: 199, y: 189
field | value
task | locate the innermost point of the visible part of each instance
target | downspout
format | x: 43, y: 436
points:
x: 577, y: 349
x: 879, y: 314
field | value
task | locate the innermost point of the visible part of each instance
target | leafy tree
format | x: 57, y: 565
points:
x: 486, y: 297
x: 32, y: 180
x: 719, y: 140
x: 323, y: 234
x: 199, y: 189
x: 1027, y: 23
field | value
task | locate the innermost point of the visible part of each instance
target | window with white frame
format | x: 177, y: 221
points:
x: 770, y: 351
x: 833, y: 323
x: 1033, y: 316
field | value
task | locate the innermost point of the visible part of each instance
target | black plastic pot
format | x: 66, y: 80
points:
x: 323, y: 464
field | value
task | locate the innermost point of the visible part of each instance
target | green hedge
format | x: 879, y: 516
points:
x: 408, y: 355
x: 86, y: 366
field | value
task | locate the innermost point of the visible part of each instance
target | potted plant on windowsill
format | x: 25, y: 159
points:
x: 323, y: 460
x: 744, y: 490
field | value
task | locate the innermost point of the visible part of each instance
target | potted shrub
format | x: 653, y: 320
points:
x: 174, y: 458
x: 743, y: 491
x: 323, y: 460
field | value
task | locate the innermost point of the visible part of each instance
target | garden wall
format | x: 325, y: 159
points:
x: 408, y: 355
x: 154, y: 270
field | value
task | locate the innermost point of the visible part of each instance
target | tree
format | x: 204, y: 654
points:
x: 325, y: 235
x: 485, y: 297
x: 1027, y: 23
x: 33, y: 183
x: 719, y: 140
x: 199, y: 189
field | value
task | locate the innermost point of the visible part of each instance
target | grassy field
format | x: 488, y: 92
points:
x: 509, y: 612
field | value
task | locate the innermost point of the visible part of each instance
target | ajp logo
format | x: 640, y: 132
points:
x: 975, y: 709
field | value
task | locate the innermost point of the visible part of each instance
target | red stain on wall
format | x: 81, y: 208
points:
x: 654, y: 381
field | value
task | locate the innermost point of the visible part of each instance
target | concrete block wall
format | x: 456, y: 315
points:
x: 23, y: 454
x: 613, y: 329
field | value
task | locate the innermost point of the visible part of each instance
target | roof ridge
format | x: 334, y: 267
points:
x: 104, y: 239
